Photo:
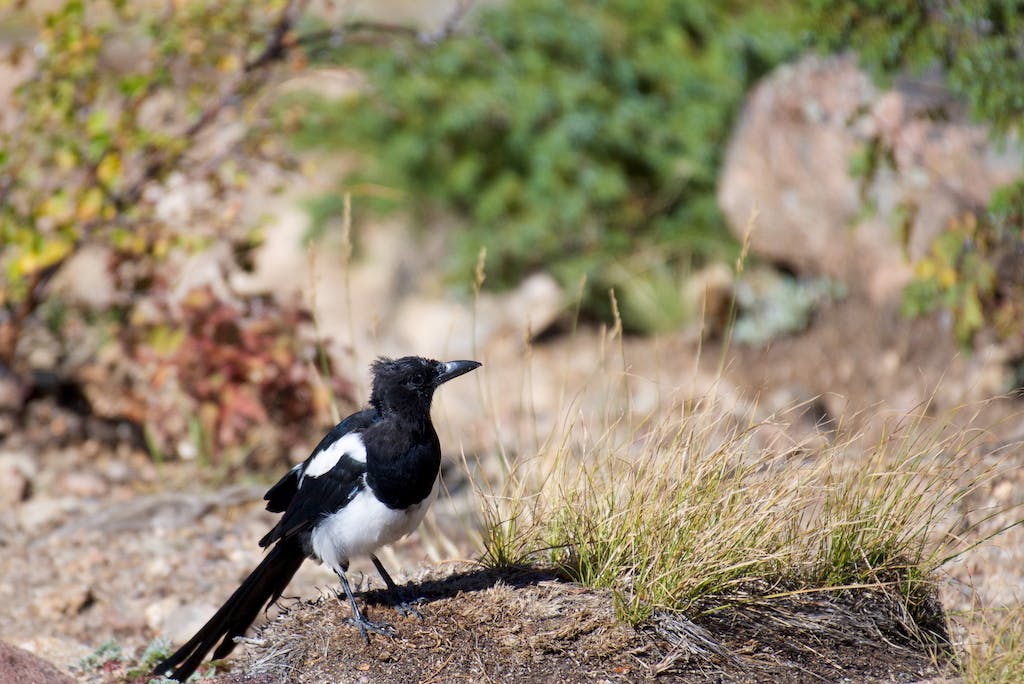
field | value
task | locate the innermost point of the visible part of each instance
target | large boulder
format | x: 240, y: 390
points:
x: 791, y: 154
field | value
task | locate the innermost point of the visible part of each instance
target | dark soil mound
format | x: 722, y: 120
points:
x: 529, y: 626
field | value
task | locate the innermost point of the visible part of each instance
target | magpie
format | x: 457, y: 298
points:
x: 367, y: 483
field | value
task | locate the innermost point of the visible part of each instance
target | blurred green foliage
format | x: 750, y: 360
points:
x: 978, y: 46
x: 580, y: 137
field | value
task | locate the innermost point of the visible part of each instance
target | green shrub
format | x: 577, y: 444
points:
x: 976, y: 43
x: 579, y: 137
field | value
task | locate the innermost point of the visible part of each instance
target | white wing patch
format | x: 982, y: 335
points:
x: 350, y: 445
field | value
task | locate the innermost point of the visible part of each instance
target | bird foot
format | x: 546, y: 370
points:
x: 366, y: 626
x: 408, y: 608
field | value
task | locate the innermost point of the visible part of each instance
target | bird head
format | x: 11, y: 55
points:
x: 408, y: 383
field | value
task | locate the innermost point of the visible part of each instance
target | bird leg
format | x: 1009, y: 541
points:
x: 358, y: 619
x: 398, y: 601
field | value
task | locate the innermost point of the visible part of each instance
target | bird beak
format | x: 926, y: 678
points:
x: 454, y: 369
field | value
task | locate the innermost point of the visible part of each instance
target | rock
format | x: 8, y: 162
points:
x: 176, y: 622
x: 17, y: 471
x: 40, y: 512
x: 86, y: 279
x: 708, y: 294
x: 790, y: 159
x: 532, y: 307
x: 439, y: 327
x: 18, y: 665
x: 64, y: 601
x: 204, y: 270
x: 12, y: 391
x: 82, y: 484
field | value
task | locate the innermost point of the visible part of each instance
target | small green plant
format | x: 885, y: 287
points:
x: 974, y: 271
x: 107, y: 652
x: 957, y: 275
x: 578, y: 137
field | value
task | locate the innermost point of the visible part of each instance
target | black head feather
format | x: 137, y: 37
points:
x: 407, y: 385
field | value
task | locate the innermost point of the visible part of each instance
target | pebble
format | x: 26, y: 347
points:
x: 17, y: 471
x: 83, y: 484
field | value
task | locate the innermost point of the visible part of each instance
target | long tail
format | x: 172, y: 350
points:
x: 264, y: 585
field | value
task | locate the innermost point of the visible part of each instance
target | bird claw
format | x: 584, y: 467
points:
x: 408, y: 608
x: 366, y: 626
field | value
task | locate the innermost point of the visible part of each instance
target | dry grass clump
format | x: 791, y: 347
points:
x: 701, y: 504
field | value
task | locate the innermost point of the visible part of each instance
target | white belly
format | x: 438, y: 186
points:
x: 363, y: 526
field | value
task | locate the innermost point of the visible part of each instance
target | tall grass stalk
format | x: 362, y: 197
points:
x: 997, y: 658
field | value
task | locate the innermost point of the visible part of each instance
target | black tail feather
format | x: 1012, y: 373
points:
x: 263, y: 586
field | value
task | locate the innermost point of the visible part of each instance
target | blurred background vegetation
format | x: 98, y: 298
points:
x: 579, y: 138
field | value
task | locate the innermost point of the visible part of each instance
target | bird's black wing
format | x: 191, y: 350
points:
x: 280, y: 496
x: 305, y: 498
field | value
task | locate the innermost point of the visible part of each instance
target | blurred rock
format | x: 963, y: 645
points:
x: 12, y: 391
x: 39, y: 347
x: 18, y: 665
x: 40, y: 512
x: 708, y: 294
x: 80, y: 483
x: 64, y: 601
x: 531, y: 308
x: 441, y: 327
x: 791, y: 154
x: 16, y: 473
x: 175, y: 622
x: 434, y: 327
x: 86, y: 279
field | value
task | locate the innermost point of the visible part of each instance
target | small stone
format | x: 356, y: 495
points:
x: 12, y: 392
x: 42, y: 511
x: 65, y: 602
x: 86, y: 279
x: 1003, y: 491
x: 83, y: 484
x: 16, y: 473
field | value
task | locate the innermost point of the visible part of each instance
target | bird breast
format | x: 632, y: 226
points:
x: 363, y: 526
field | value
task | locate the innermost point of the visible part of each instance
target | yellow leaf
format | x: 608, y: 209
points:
x: 109, y: 170
x: 27, y: 263
x: 229, y: 63
x: 947, y: 277
x: 56, y: 207
x: 90, y: 205
x: 66, y: 159
x: 925, y: 269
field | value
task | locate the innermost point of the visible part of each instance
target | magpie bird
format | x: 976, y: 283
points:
x: 367, y: 483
